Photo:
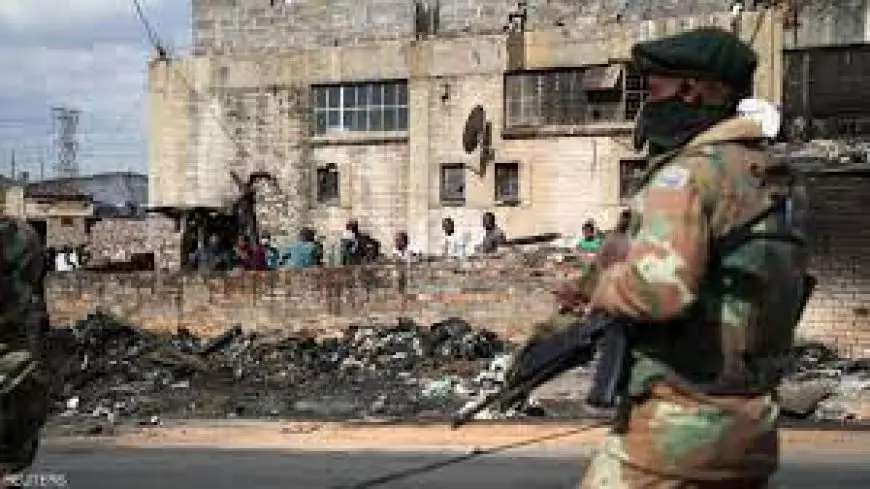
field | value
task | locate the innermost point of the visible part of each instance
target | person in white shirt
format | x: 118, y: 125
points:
x: 452, y: 245
x: 65, y: 260
x: 401, y: 249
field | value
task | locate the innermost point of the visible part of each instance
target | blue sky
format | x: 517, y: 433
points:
x: 88, y: 54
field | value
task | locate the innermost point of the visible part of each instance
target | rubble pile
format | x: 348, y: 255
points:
x: 114, y: 370
x: 822, y: 386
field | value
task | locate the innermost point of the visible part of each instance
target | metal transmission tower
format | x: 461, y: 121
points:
x: 66, y: 126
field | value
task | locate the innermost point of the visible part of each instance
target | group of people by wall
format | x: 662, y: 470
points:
x: 357, y: 247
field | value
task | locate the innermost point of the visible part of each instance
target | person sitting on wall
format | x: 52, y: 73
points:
x: 206, y: 258
x: 402, y: 252
x: 258, y: 255
x: 453, y: 244
x: 491, y: 236
x: 242, y: 253
x: 358, y: 247
x: 592, y: 240
x: 351, y: 253
x: 273, y: 256
x: 304, y: 253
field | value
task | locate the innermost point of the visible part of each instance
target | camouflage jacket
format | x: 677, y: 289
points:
x: 23, y: 318
x: 697, y: 308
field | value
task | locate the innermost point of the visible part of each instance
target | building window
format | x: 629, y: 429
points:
x: 327, y: 185
x: 67, y: 222
x: 631, y: 170
x: 596, y: 94
x: 453, y: 184
x: 360, y: 107
x: 507, y: 183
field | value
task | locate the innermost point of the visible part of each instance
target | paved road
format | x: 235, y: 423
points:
x: 174, y: 468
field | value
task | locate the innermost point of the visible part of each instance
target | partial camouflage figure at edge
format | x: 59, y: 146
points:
x: 24, y: 380
x: 700, y: 410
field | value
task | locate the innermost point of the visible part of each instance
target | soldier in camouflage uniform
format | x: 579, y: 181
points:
x: 23, y: 327
x: 701, y: 410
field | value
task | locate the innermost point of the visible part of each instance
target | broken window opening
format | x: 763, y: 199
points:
x: 327, y: 185
x: 507, y: 183
x: 577, y: 96
x: 453, y: 184
x: 631, y: 171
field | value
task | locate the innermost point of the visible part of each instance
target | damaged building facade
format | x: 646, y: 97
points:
x: 402, y: 113
x: 367, y: 119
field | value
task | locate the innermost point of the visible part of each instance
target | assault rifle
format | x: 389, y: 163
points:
x: 544, y: 358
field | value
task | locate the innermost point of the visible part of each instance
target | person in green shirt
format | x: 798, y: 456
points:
x: 592, y: 240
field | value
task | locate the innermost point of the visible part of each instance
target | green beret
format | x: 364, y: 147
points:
x: 707, y: 53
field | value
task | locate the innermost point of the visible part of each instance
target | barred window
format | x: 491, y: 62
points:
x: 573, y: 96
x: 360, y: 107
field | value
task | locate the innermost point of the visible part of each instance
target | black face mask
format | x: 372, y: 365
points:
x: 670, y: 123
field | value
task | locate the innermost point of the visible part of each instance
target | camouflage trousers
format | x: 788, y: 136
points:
x: 22, y: 414
x: 674, y: 441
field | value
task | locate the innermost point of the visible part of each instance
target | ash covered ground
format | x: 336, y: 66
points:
x: 109, y: 372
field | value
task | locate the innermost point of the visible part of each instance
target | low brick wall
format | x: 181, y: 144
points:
x: 504, y: 296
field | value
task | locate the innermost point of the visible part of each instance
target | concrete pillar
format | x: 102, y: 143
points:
x: 420, y: 98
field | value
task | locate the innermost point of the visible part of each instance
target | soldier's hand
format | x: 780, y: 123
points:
x: 570, y: 298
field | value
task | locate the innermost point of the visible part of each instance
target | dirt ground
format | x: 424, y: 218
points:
x: 390, y: 437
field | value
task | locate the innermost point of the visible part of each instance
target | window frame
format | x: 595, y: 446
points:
x: 631, y: 170
x: 443, y: 197
x: 320, y: 198
x: 498, y: 196
x: 360, y: 107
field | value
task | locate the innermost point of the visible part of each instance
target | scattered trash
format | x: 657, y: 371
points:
x: 110, y: 371
x: 818, y: 380
x: 113, y: 370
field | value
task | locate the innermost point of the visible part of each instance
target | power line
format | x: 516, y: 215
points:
x: 152, y: 35
x: 159, y: 46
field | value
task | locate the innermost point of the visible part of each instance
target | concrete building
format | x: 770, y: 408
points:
x: 359, y: 109
x: 60, y: 218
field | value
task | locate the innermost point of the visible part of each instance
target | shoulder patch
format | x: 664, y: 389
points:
x: 672, y: 177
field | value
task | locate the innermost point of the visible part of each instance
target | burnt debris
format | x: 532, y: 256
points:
x: 112, y: 371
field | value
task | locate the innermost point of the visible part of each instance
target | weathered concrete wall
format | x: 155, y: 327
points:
x: 256, y: 26
x: 830, y: 23
x: 253, y: 113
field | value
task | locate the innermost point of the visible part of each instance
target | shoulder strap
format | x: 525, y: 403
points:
x: 743, y: 232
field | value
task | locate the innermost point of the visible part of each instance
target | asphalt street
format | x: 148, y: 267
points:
x: 173, y: 468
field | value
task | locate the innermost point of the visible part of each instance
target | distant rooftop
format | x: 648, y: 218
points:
x: 116, y: 189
